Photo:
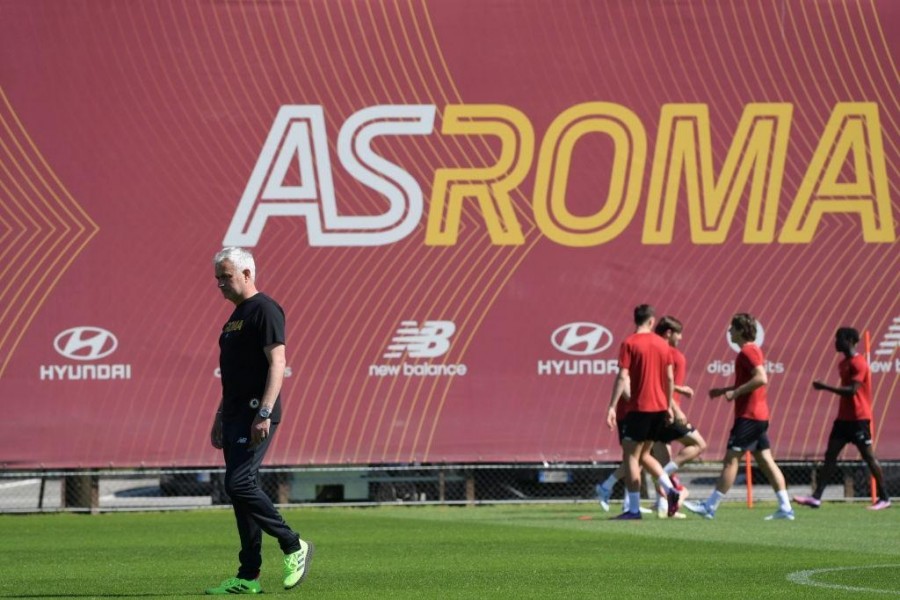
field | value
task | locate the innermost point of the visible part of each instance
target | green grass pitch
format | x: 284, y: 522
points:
x: 521, y: 551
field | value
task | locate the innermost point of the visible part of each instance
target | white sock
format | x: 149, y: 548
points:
x: 784, y: 502
x: 659, y: 497
x: 666, y: 483
x: 626, y: 503
x: 714, y: 499
x: 634, y: 502
x: 609, y: 483
x: 670, y: 468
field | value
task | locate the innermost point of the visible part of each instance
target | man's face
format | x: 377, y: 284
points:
x: 231, y: 282
x: 674, y: 338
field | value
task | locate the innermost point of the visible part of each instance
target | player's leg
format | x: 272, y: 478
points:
x: 773, y: 473
x: 835, y: 445
x: 633, y: 450
x: 604, y: 489
x: 635, y: 432
x: 836, y: 442
x: 240, y: 475
x: 883, y: 501
x: 250, y: 556
x: 863, y: 442
x: 662, y: 453
x: 743, y: 436
x: 656, y: 432
x: 692, y: 446
x: 730, y: 465
x: 670, y: 501
x: 632, y: 479
x: 256, y: 513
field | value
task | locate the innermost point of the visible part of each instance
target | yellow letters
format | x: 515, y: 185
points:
x: 684, y: 146
x: 854, y: 132
x: 491, y: 185
x: 555, y: 158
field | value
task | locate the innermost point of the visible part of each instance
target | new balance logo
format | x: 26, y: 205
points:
x: 430, y: 340
x: 890, y: 341
x: 885, y: 360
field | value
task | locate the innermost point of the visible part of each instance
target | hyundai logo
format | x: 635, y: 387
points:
x: 582, y: 339
x: 85, y: 343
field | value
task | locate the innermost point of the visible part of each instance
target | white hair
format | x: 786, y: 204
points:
x: 241, y: 258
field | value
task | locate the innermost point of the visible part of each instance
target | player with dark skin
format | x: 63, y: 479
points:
x: 853, y: 423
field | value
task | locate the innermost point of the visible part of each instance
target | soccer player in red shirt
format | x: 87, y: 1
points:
x: 604, y: 489
x: 645, y: 365
x: 854, y: 418
x: 672, y: 330
x: 751, y: 420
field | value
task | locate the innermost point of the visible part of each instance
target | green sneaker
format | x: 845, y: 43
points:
x: 296, y: 564
x: 236, y: 586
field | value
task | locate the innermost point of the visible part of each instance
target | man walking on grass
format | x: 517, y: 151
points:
x: 252, y: 363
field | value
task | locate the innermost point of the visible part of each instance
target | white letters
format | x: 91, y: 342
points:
x: 300, y: 131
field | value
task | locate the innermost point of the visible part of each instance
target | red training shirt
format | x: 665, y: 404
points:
x: 859, y: 406
x: 753, y: 405
x: 646, y: 356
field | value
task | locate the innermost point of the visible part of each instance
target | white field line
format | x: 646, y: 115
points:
x: 806, y: 578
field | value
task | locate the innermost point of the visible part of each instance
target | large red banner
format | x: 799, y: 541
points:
x: 457, y: 203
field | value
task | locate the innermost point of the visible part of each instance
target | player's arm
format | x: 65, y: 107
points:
x: 849, y: 390
x: 215, y: 434
x: 619, y: 390
x: 683, y: 390
x: 277, y: 363
x: 758, y: 380
x: 259, y: 430
x: 670, y: 392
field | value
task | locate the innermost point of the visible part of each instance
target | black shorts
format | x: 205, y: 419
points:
x: 620, y: 425
x: 748, y: 435
x: 675, y: 431
x: 644, y: 426
x: 858, y: 433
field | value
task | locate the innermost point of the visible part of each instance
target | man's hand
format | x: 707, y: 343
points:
x: 611, y: 417
x: 259, y: 431
x: 820, y: 385
x: 716, y: 392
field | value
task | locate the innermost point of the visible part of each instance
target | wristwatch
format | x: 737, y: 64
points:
x: 264, y: 413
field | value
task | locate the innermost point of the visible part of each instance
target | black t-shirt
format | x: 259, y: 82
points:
x: 255, y: 323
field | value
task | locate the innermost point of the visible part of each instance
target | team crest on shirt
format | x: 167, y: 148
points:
x: 233, y: 326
